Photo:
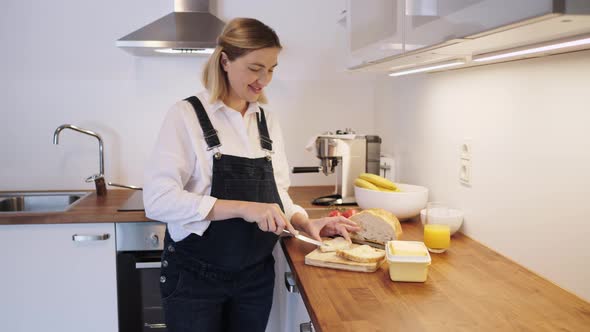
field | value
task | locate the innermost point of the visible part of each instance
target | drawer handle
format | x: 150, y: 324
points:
x: 290, y: 283
x: 83, y: 238
x: 148, y: 265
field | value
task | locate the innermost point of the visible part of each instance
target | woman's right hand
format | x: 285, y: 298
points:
x: 268, y: 216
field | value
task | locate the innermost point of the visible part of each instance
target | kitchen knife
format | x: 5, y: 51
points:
x: 372, y: 244
x: 305, y: 238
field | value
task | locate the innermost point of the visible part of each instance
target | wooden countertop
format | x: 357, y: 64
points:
x: 90, y: 209
x: 94, y: 209
x: 469, y: 288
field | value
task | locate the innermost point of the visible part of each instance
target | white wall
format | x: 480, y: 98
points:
x: 528, y: 124
x: 59, y: 65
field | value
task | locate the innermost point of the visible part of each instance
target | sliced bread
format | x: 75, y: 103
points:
x: 334, y: 244
x: 378, y: 226
x: 362, y: 254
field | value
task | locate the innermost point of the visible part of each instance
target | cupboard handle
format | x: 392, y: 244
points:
x: 290, y: 283
x: 83, y: 238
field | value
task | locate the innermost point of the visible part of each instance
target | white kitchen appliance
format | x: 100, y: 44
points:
x: 347, y: 155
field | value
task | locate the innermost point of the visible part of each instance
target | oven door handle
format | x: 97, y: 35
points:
x: 148, y: 265
x: 155, y: 326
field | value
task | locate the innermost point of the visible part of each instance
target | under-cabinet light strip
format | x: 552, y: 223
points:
x: 536, y: 48
x: 428, y: 68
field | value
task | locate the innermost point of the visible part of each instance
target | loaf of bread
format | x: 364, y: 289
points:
x: 334, y: 244
x: 378, y: 226
x: 362, y: 254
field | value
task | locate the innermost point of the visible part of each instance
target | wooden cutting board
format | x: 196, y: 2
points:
x: 330, y: 260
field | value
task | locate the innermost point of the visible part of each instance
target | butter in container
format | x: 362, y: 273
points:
x: 408, y: 260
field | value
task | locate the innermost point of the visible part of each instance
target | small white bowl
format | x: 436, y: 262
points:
x: 454, y: 219
x: 404, y: 204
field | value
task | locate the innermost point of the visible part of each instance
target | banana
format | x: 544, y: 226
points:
x: 365, y: 184
x: 378, y: 181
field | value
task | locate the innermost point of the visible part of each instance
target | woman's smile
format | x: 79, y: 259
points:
x: 255, y: 90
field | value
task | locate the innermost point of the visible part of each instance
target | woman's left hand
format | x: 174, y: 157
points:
x: 329, y: 226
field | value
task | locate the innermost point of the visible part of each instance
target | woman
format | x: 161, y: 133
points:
x: 218, y: 177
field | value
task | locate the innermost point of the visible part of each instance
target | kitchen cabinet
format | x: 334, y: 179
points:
x: 382, y: 30
x: 58, y: 277
x: 288, y: 310
x: 431, y: 22
x: 375, y: 30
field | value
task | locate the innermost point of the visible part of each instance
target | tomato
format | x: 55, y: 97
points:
x: 334, y: 213
x: 349, y: 213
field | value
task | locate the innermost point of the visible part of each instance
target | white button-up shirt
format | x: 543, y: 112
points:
x: 177, y: 179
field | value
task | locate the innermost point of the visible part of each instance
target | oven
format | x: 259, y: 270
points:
x: 139, y: 248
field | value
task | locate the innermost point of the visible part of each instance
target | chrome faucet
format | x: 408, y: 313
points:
x: 98, y: 179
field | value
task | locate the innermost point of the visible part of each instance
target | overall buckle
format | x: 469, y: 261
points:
x: 268, y: 154
x: 217, y: 152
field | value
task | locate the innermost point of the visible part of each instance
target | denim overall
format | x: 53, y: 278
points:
x: 224, y: 280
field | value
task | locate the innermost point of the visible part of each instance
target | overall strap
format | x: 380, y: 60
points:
x: 209, y: 132
x: 265, y: 141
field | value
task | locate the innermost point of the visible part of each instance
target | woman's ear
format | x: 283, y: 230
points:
x: 224, y: 61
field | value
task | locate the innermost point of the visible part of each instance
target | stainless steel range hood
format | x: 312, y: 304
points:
x: 190, y: 29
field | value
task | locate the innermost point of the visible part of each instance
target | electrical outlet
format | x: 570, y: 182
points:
x: 466, y: 149
x: 465, y: 172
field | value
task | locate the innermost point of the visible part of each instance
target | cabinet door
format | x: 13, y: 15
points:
x: 431, y: 22
x: 49, y: 282
x: 288, y: 310
x: 375, y: 30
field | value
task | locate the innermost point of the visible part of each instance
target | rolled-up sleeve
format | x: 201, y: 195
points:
x: 281, y: 171
x: 167, y: 172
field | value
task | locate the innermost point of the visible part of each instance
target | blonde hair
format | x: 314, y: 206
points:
x: 239, y: 37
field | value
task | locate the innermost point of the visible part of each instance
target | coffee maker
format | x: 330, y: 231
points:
x: 348, y: 155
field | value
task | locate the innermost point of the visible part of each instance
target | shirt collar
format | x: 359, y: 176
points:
x: 219, y: 104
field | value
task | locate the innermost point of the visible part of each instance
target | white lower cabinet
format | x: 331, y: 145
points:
x: 288, y: 310
x: 58, y: 277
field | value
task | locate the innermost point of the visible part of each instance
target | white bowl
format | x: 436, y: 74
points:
x: 453, y: 218
x: 403, y: 204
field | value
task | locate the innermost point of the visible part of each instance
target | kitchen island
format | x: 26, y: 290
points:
x: 469, y: 288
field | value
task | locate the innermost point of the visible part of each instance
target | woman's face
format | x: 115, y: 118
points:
x: 250, y: 73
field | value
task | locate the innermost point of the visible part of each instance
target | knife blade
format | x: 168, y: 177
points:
x: 304, y: 238
x: 372, y: 244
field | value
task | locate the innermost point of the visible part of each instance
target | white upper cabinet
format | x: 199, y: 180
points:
x: 431, y: 22
x: 389, y: 35
x: 375, y: 30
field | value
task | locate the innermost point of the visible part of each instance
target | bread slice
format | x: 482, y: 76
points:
x: 334, y: 244
x: 378, y: 226
x: 362, y: 254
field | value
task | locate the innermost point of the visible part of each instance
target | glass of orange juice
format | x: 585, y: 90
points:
x: 437, y: 238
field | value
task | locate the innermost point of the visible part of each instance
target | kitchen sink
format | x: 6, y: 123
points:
x: 39, y: 201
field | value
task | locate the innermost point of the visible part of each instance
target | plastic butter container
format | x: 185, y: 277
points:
x: 408, y: 261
